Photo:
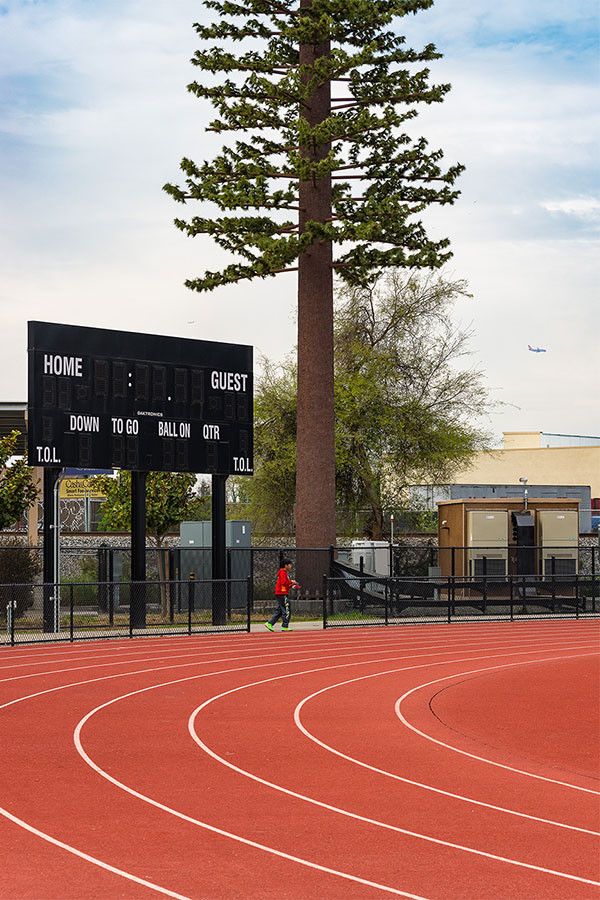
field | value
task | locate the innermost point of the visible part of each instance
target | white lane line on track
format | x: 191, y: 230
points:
x: 376, y: 822
x: 490, y: 762
x: 23, y: 824
x: 276, y: 662
x: 143, y: 645
x: 419, y: 784
x: 378, y: 646
x: 212, y: 828
x: 92, y: 859
x: 427, y: 838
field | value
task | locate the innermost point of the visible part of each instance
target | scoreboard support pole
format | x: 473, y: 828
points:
x: 219, y: 552
x: 51, y: 475
x: 137, y: 601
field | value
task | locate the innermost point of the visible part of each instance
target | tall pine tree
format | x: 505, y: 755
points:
x: 318, y: 95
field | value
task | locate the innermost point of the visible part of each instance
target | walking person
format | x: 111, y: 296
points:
x: 282, y: 590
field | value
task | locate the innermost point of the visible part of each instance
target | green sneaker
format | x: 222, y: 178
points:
x: 269, y: 626
x: 285, y: 628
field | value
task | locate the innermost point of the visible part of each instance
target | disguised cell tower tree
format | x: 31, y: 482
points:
x: 318, y: 94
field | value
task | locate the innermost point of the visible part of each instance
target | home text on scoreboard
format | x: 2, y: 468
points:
x: 112, y: 399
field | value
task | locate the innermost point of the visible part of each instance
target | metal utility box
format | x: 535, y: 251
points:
x: 558, y: 535
x: 195, y: 557
x: 456, y: 528
x: 375, y: 556
x: 539, y: 491
x: 487, y: 541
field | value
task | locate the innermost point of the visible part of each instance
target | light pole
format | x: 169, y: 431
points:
x: 524, y: 483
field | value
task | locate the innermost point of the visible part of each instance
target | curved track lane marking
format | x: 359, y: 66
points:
x: 427, y: 787
x: 351, y: 641
x: 228, y: 764
x: 247, y: 654
x: 100, y: 863
x: 170, y: 810
x: 92, y: 859
x: 484, y: 759
x: 148, y: 644
x: 205, y: 825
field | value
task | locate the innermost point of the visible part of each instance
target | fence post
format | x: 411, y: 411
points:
x: 191, y: 585
x: 485, y: 585
x: 171, y: 599
x: 132, y: 602
x: 71, y: 611
x: 576, y: 595
x: 325, y: 592
x: 249, y: 599
x: 512, y: 597
x: 361, y: 594
x: 450, y: 592
x: 111, y: 602
x: 13, y: 615
x: 386, y: 603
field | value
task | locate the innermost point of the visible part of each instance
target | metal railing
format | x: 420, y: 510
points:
x: 351, y: 598
x: 111, y: 563
x: 79, y: 611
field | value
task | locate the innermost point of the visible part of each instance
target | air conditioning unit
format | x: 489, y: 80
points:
x: 487, y: 542
x: 558, y: 534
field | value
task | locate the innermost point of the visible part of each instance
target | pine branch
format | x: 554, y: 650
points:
x: 269, y: 98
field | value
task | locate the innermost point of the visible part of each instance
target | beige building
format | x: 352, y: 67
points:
x: 541, y: 458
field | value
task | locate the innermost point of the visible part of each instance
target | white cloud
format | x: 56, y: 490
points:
x: 581, y: 207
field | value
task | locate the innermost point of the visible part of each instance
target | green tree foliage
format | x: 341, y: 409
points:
x: 170, y: 499
x: 17, y: 489
x: 405, y: 402
x: 262, y: 88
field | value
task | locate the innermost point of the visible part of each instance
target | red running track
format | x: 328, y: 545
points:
x: 443, y: 762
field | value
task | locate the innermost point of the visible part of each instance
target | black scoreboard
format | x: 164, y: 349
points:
x: 107, y: 399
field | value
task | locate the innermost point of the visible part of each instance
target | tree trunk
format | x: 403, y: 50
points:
x: 377, y: 523
x: 315, y: 459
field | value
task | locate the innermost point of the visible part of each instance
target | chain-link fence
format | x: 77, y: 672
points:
x: 359, y: 599
x: 96, y: 598
x: 78, y: 611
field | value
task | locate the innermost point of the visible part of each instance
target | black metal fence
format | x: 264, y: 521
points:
x: 400, y: 583
x: 359, y: 599
x: 79, y: 611
x: 19, y: 563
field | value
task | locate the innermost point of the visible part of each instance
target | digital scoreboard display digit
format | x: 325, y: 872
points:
x: 108, y: 399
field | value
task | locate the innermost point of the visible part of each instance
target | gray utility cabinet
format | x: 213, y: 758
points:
x: 195, y: 562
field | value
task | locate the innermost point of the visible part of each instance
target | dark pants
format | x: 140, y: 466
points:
x: 283, y: 611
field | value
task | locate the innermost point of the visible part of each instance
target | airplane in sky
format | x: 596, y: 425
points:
x: 536, y: 349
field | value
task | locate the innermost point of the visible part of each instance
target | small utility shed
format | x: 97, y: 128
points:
x: 478, y: 528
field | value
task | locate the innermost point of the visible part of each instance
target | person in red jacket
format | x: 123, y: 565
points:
x: 282, y: 590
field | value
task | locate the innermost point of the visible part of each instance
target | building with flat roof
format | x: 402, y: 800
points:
x: 540, y: 457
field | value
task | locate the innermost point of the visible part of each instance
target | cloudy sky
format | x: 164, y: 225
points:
x: 95, y: 116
